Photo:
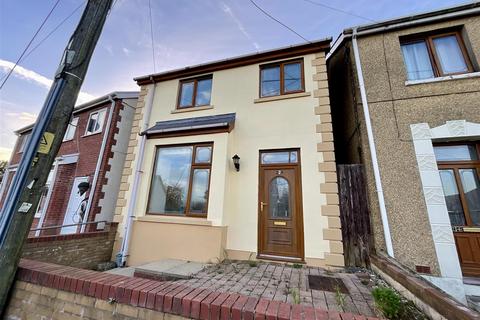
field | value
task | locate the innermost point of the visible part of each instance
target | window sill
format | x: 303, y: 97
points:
x: 90, y: 134
x: 282, y: 97
x: 446, y: 78
x: 192, y: 109
x: 175, y: 220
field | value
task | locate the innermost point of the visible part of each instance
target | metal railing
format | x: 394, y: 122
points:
x: 106, y: 227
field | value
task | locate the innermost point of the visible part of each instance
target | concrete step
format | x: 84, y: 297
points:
x: 474, y: 302
x: 169, y: 269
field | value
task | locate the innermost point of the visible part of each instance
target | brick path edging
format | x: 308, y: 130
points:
x: 168, y: 297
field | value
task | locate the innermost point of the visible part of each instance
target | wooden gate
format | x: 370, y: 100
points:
x: 354, y: 215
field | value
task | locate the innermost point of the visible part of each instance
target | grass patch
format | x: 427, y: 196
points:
x: 295, y: 295
x: 393, y: 306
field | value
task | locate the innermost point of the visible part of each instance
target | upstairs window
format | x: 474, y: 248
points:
x: 435, y: 55
x: 70, y: 133
x: 195, y: 92
x: 281, y: 78
x: 24, y: 139
x: 95, y: 122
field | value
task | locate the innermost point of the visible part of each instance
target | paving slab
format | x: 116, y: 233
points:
x: 171, y: 268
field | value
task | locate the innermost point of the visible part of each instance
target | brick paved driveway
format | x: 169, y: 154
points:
x: 285, y: 282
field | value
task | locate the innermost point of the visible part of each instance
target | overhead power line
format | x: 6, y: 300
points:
x: 278, y: 21
x: 29, y: 43
x: 151, y: 34
x: 53, y: 30
x: 339, y: 10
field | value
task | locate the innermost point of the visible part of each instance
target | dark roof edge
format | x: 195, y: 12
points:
x: 279, y: 53
x: 436, y: 16
x: 91, y: 104
x: 462, y: 10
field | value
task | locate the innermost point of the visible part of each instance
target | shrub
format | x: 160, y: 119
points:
x: 389, y: 302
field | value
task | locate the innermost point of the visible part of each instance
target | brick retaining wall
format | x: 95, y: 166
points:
x: 81, y: 250
x: 62, y: 292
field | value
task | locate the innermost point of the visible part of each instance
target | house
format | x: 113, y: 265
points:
x: 405, y: 103
x: 93, y: 151
x: 233, y: 159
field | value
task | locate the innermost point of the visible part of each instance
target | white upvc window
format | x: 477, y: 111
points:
x: 42, y: 204
x: 25, y: 138
x: 70, y: 133
x: 95, y: 122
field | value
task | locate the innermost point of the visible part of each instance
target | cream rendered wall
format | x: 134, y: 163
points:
x: 287, y: 123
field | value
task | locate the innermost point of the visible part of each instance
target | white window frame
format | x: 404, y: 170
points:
x: 49, y: 186
x: 25, y: 139
x: 72, y: 126
x: 87, y: 133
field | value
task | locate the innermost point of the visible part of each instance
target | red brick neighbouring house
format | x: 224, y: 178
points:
x: 93, y: 151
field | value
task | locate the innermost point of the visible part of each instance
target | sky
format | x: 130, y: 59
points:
x: 185, y: 32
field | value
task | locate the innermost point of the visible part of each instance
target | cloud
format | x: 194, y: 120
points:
x: 31, y: 76
x: 109, y: 49
x: 126, y: 52
x: 23, y: 116
x: 5, y: 153
x: 239, y: 24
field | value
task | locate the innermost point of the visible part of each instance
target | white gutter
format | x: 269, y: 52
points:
x: 99, y: 163
x: 390, y: 27
x: 373, y: 150
x: 137, y: 176
x: 425, y: 20
x: 47, y: 200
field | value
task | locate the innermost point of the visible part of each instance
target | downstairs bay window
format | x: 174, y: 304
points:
x: 180, y: 180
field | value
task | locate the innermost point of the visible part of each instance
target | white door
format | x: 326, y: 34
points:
x: 72, y: 215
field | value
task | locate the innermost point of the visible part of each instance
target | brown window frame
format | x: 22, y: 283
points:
x: 193, y: 166
x: 281, y: 65
x: 432, y: 53
x: 194, y: 97
x: 461, y: 164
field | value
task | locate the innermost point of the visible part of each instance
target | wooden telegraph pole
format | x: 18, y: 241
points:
x: 47, y: 135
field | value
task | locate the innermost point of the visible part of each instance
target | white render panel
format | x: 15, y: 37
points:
x: 423, y: 137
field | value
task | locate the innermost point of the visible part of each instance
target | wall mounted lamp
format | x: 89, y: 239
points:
x: 83, y: 187
x: 236, y: 162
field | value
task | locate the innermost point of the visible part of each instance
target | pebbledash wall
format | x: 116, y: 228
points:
x: 406, y: 117
x: 78, y: 158
x: 297, y: 120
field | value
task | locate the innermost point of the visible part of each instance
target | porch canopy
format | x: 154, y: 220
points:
x: 192, y: 126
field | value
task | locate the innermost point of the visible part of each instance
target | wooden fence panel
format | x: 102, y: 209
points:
x: 354, y: 215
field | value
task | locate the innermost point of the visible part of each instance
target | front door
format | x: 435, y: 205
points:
x: 280, y: 234
x: 72, y: 215
x: 459, y: 166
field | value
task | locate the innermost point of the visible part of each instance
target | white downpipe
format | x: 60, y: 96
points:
x: 137, y: 176
x: 99, y: 163
x: 3, y: 186
x: 373, y: 150
x: 49, y: 195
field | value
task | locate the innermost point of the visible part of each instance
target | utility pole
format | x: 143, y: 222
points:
x: 47, y: 135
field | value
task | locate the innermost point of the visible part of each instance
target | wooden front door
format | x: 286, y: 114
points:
x: 459, y: 166
x: 280, y: 232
